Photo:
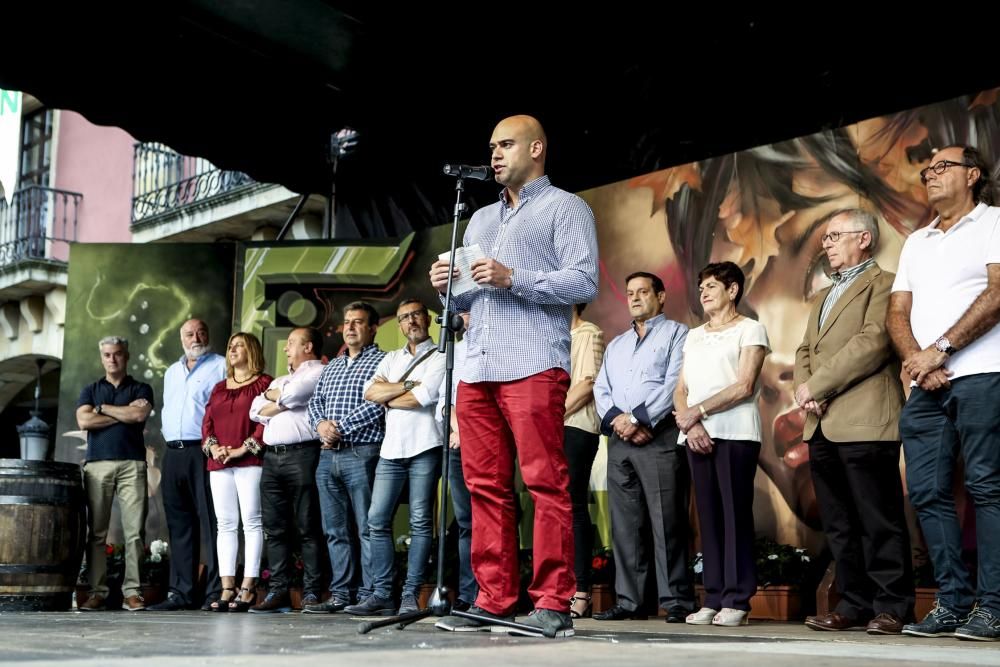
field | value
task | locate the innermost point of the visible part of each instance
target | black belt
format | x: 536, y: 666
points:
x: 281, y: 449
x: 183, y: 444
x: 340, y: 444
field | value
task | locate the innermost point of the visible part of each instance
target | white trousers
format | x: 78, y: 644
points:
x: 235, y: 494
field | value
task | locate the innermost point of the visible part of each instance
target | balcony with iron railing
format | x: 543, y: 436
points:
x: 165, y: 181
x: 182, y: 198
x: 36, y: 229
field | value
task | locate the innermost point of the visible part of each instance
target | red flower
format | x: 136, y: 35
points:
x: 109, y: 549
x: 599, y: 562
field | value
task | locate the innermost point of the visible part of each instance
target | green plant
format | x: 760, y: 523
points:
x: 780, y: 564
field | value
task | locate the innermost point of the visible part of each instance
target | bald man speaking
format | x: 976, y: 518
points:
x: 540, y: 247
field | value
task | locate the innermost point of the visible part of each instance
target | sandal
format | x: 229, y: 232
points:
x: 580, y: 598
x: 222, y: 604
x: 239, y: 604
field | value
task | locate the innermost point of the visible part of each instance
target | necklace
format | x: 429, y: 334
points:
x: 709, y: 325
x: 239, y: 381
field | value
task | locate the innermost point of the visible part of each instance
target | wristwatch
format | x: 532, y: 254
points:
x: 408, y: 385
x: 632, y: 420
x: 944, y: 345
x: 97, y: 409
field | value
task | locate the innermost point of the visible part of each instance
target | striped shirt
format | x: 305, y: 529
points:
x: 550, y: 241
x: 841, y: 281
x: 339, y: 396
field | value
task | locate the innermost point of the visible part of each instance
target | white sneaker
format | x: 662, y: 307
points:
x: 703, y: 616
x: 731, y: 618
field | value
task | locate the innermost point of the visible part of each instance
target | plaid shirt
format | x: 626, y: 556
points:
x: 550, y: 241
x: 339, y: 396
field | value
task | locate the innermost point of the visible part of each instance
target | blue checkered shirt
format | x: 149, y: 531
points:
x: 339, y: 396
x: 550, y: 241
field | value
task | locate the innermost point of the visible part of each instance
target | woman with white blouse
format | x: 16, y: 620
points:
x: 715, y: 405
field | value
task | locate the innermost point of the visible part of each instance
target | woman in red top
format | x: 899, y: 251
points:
x: 233, y: 445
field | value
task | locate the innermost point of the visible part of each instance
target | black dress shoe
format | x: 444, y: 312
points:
x: 617, y: 613
x: 174, y: 602
x: 676, y: 615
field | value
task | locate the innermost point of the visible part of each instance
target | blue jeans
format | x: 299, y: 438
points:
x: 345, y: 479
x: 937, y: 426
x: 461, y: 502
x: 422, y: 471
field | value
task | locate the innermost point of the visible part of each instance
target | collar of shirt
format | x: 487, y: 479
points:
x: 422, y: 347
x: 527, y: 191
x: 851, y: 273
x: 309, y: 363
x: 198, y: 362
x: 126, y: 381
x: 651, y: 325
x: 346, y: 354
x: 971, y: 216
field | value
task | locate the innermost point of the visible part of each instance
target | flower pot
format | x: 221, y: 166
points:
x: 776, y: 603
x: 924, y: 602
x: 153, y: 593
x: 295, y: 593
x: 602, y: 597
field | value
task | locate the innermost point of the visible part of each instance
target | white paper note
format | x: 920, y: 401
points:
x: 464, y: 257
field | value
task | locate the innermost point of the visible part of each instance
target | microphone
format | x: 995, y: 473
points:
x: 483, y: 173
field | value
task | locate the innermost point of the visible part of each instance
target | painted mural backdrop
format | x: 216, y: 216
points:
x: 144, y: 293
x: 759, y: 208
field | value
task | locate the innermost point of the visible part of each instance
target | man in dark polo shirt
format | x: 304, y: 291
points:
x: 113, y: 412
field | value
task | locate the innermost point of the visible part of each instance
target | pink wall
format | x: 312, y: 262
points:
x: 96, y: 162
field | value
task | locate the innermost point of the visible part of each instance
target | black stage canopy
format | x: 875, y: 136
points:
x: 259, y: 85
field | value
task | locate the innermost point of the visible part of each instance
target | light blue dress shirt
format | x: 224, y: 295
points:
x: 185, y: 394
x: 639, y: 376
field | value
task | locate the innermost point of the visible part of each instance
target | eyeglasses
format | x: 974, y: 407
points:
x: 941, y: 167
x: 833, y: 237
x: 412, y: 315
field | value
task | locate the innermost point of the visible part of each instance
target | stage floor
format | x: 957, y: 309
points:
x: 198, y: 638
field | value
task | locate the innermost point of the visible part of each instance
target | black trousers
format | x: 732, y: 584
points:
x: 187, y: 502
x: 289, y: 504
x: 723, y: 492
x: 648, y: 490
x: 581, y: 449
x: 860, y: 498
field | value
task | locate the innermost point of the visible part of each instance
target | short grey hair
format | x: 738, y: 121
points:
x: 113, y: 340
x: 866, y: 221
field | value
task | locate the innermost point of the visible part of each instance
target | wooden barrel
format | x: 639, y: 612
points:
x: 43, y: 529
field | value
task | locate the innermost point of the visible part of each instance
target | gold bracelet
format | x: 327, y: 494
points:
x: 704, y: 415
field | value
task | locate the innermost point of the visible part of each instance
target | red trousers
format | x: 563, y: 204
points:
x: 497, y: 420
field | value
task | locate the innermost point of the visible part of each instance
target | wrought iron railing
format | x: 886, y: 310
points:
x: 164, y: 181
x: 36, y: 223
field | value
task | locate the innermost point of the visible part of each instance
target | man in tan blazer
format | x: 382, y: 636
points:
x: 847, y: 379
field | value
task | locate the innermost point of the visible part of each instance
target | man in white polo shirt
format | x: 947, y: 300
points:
x: 943, y: 313
x: 406, y: 382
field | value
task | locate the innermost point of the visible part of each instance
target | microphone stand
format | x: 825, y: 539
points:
x: 451, y: 323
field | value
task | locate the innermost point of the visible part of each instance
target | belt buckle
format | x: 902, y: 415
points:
x: 280, y: 449
x: 178, y: 444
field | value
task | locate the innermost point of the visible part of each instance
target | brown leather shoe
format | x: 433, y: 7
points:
x: 830, y: 621
x: 93, y: 603
x: 134, y: 603
x: 885, y: 624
